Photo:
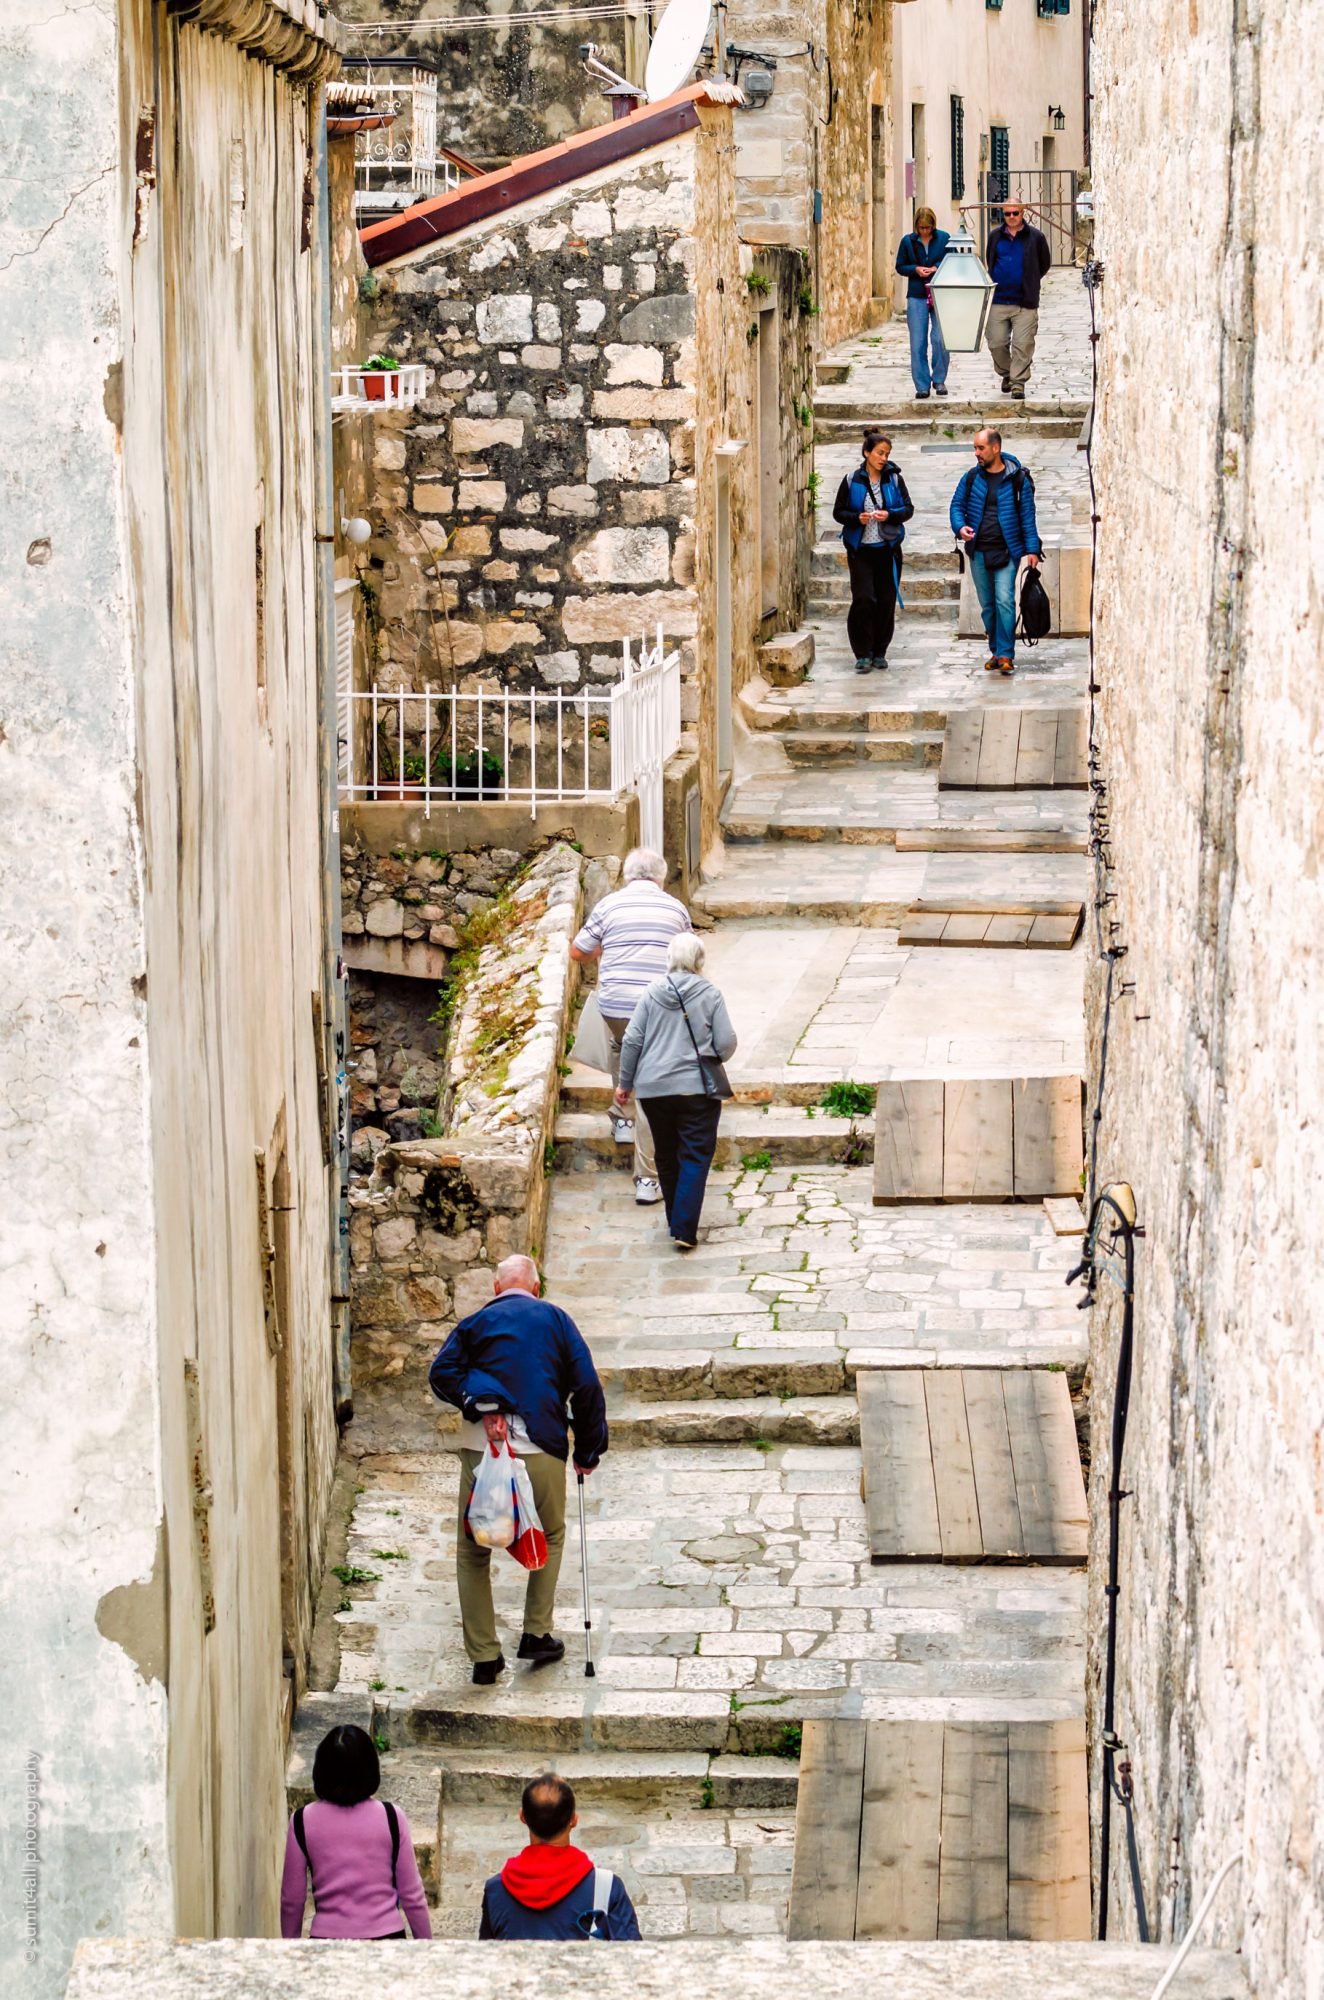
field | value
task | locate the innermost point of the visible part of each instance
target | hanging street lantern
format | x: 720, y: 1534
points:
x: 962, y: 293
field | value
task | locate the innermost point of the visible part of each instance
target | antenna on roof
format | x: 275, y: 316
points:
x: 681, y: 34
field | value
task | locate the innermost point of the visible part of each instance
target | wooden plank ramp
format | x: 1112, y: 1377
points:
x: 978, y: 1139
x: 1010, y: 749
x: 971, y: 1465
x: 1053, y: 929
x: 929, y: 1830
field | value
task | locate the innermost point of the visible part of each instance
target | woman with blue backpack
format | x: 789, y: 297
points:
x: 873, y: 507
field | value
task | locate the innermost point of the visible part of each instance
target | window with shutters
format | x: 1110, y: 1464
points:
x: 1050, y: 9
x: 999, y: 163
x: 958, y: 147
x: 346, y: 591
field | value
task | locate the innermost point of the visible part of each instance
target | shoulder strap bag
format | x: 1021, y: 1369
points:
x: 716, y: 1083
x: 595, y: 1923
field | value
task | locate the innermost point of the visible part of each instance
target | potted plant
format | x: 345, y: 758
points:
x: 469, y: 775
x: 375, y: 371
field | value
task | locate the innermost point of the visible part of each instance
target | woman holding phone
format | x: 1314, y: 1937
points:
x: 873, y: 507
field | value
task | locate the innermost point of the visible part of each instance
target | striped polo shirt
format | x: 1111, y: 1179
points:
x: 633, y: 926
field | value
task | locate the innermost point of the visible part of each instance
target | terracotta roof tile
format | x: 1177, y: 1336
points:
x: 536, y: 173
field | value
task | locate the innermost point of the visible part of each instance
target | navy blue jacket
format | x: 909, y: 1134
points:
x: 523, y: 1355
x: 1038, y: 260
x: 1020, y: 529
x: 913, y: 252
x: 853, y: 499
x: 505, y: 1917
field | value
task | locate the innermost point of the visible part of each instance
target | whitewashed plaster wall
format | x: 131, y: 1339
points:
x: 1210, y: 634
x: 163, y: 937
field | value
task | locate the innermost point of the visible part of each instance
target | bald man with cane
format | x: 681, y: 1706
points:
x: 511, y: 1369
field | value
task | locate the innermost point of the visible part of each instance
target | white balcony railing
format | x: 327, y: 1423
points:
x: 379, y: 388
x: 497, y: 746
x: 397, y: 165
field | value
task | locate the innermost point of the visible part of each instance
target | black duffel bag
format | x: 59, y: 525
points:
x: 1036, y: 611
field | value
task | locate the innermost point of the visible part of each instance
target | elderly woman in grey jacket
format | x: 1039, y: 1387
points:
x: 679, y: 1036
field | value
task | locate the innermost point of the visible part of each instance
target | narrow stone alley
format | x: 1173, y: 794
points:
x: 734, y: 1597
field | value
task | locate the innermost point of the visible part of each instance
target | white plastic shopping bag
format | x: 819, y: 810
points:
x: 529, y: 1547
x: 489, y: 1518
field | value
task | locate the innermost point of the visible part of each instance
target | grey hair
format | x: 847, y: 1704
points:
x: 516, y: 1273
x: 643, y: 865
x: 685, y: 953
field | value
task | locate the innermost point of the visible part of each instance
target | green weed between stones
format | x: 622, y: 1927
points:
x: 707, y: 1795
x: 390, y: 1556
x: 350, y: 1573
x: 756, y: 1163
x: 848, y: 1100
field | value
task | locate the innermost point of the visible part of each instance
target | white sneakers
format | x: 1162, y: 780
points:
x: 622, y: 1129
x: 647, y: 1191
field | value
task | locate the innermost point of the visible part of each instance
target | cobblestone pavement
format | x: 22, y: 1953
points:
x: 801, y: 1265
x: 872, y: 801
x: 864, y: 1007
x: 725, y: 1577
x: 880, y: 359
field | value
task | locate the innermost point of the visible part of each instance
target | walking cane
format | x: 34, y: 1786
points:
x: 589, y: 1670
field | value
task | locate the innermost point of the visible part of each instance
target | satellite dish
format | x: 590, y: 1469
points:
x: 681, y: 34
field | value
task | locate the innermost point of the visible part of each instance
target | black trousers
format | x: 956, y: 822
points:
x: 685, y: 1139
x: 874, y: 575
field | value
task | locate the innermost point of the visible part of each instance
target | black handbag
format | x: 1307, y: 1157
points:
x: 716, y: 1082
x: 1036, y: 611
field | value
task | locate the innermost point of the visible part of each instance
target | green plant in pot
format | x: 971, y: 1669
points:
x: 376, y: 369
x: 470, y: 775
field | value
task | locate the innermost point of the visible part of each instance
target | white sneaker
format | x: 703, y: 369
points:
x: 647, y: 1191
x: 622, y: 1130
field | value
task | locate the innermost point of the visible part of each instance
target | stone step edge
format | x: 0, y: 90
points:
x: 747, y: 1374
x: 578, y: 1716
x: 477, y: 1777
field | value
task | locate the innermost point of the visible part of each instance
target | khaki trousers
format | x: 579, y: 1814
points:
x: 1010, y: 334
x: 473, y: 1564
x: 645, y: 1159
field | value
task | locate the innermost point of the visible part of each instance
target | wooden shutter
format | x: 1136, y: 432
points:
x: 958, y: 147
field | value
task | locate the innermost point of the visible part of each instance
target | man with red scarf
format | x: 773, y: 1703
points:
x: 550, y: 1889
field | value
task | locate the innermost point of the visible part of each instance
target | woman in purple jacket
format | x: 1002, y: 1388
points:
x: 356, y: 1849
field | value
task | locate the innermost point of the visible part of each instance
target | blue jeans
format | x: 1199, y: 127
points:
x: 996, y: 591
x: 685, y: 1138
x: 923, y: 326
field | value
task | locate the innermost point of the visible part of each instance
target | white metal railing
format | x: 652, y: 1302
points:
x: 385, y: 388
x: 398, y: 165
x: 499, y: 746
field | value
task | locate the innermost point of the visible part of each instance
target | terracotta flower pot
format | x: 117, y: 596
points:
x: 374, y: 384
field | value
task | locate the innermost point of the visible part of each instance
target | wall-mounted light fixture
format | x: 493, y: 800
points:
x: 1058, y: 116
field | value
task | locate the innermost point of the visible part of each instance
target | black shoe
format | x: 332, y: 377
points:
x: 542, y: 1652
x: 486, y: 1671
x: 880, y: 665
x: 921, y: 395
x: 1006, y: 385
x: 940, y: 388
x: 863, y: 665
x: 1018, y: 394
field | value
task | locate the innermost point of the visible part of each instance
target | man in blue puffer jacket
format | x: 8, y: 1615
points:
x: 993, y: 518
x: 550, y: 1889
x: 510, y: 1369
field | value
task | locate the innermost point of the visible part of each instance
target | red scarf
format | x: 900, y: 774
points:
x: 539, y: 1876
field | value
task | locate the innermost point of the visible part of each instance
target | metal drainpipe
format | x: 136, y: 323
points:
x: 335, y: 1009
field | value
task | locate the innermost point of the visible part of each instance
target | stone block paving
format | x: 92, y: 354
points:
x: 866, y: 802
x: 932, y: 669
x: 728, y: 1581
x: 802, y: 1265
x: 880, y: 360
x: 714, y: 1873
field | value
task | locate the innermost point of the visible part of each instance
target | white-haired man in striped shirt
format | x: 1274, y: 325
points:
x: 629, y: 932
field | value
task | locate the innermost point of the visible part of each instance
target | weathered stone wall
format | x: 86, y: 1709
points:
x: 434, y: 1216
x: 169, y: 1420
x: 500, y: 90
x: 558, y: 447
x: 857, y: 75
x: 1212, y: 717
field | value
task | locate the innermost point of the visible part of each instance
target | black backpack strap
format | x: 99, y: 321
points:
x: 302, y: 1839
x: 393, y: 1821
